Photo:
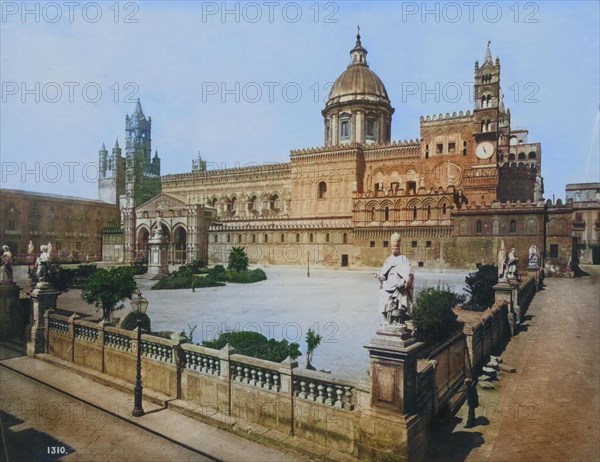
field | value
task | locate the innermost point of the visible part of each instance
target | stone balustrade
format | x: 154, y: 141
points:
x: 117, y: 341
x: 251, y: 374
x: 200, y: 359
x: 324, y: 389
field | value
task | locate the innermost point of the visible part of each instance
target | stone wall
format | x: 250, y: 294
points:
x: 325, y: 411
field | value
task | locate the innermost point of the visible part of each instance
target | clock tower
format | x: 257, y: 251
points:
x: 491, y: 118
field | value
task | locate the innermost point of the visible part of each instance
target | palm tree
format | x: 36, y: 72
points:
x: 238, y: 260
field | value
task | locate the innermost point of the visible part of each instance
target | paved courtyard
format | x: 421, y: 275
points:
x: 340, y: 305
x: 549, y: 410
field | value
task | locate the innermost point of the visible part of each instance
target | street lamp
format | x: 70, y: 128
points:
x: 139, y: 304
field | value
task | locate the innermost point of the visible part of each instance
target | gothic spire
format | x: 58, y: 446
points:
x: 103, y: 147
x: 138, y: 110
x: 488, y: 53
x: 117, y: 143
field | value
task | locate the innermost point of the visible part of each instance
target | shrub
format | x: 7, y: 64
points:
x: 139, y: 265
x: 242, y: 277
x: 82, y: 274
x: 312, y: 342
x: 130, y: 321
x: 185, y: 282
x: 256, y: 345
x: 109, y: 287
x: 238, y: 260
x: 216, y: 272
x: 191, y: 268
x: 432, y: 314
x: 480, y: 287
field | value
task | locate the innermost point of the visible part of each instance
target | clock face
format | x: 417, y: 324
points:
x: 484, y: 150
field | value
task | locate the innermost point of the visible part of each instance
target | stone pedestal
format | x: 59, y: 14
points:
x: 390, y: 426
x: 393, y: 352
x: 11, y: 319
x: 158, y: 265
x: 506, y: 291
x: 43, y: 297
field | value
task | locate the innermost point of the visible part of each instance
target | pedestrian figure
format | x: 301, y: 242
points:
x: 472, y: 401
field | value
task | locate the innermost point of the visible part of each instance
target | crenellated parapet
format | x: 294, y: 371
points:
x: 279, y: 168
x: 446, y: 117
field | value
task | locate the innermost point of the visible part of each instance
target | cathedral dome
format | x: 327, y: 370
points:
x: 358, y: 82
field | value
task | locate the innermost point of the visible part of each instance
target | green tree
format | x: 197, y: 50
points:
x: 480, y: 287
x: 238, y: 260
x: 109, y: 287
x: 312, y: 342
x: 432, y: 314
x: 130, y: 321
x: 256, y: 345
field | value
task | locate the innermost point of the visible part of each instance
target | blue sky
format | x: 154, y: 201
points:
x: 179, y: 57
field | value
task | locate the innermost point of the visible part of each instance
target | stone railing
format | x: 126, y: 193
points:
x: 321, y: 411
x: 324, y: 389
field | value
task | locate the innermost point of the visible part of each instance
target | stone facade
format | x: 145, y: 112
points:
x: 585, y: 200
x: 452, y: 193
x: 73, y: 225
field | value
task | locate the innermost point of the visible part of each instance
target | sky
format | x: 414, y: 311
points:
x: 243, y: 83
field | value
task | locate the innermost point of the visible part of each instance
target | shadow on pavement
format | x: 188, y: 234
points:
x: 28, y: 444
x: 449, y: 446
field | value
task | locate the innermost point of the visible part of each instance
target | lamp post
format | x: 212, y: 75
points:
x: 138, y: 304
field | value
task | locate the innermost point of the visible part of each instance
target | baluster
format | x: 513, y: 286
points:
x: 339, y: 392
x: 276, y: 382
x: 311, y: 393
x: 261, y: 382
x: 268, y: 383
x: 253, y: 379
x: 330, y: 395
x: 204, y: 364
x: 321, y: 391
x: 240, y: 375
x: 246, y: 375
x: 348, y: 399
x: 302, y: 394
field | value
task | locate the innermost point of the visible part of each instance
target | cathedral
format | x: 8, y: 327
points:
x: 467, y: 182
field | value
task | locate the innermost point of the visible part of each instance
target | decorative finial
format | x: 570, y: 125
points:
x: 358, y: 35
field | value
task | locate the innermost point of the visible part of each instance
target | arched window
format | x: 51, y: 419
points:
x: 444, y: 209
x: 216, y: 238
x: 386, y: 214
x: 478, y: 227
x: 322, y: 189
x: 511, y: 156
x: 311, y: 237
x: 254, y: 238
x: 345, y: 238
x: 531, y: 225
x: 297, y: 237
x: 513, y: 226
x: 429, y: 212
x: 327, y: 237
x: 532, y: 155
x: 521, y: 156
x: 414, y: 212
x: 373, y: 214
x: 252, y: 203
x: 266, y: 238
x: 495, y: 227
x: 282, y: 237
x: 228, y: 238
x: 239, y: 238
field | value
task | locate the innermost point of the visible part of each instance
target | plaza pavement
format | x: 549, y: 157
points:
x: 549, y: 410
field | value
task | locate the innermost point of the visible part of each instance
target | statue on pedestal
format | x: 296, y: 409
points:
x: 511, y: 264
x: 502, y: 262
x: 534, y: 257
x: 396, y: 286
x: 42, y: 264
x: 6, y: 274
